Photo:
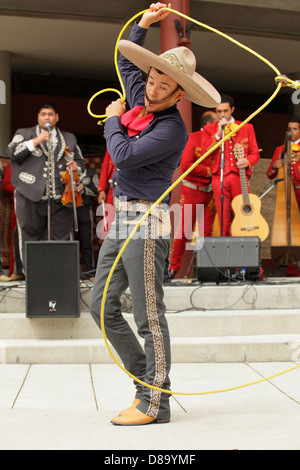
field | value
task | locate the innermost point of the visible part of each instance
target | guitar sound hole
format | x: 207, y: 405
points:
x: 247, y: 209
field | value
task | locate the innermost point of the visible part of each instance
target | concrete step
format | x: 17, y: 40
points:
x: 259, y: 348
x: 208, y: 323
x: 182, y: 295
x: 185, y: 324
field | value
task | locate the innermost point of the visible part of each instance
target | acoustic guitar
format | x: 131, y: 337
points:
x: 248, y: 221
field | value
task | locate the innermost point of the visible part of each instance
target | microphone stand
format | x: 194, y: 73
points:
x: 48, y: 178
x: 222, y: 178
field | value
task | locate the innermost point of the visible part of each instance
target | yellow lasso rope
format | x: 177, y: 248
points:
x: 114, y: 90
x: 281, y: 80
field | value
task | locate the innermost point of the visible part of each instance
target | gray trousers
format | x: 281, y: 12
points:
x: 141, y: 268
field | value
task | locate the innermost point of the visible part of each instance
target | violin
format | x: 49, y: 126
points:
x: 71, y: 196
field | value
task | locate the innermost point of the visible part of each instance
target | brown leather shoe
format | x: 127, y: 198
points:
x: 135, y: 403
x: 4, y: 278
x: 17, y: 277
x: 135, y: 417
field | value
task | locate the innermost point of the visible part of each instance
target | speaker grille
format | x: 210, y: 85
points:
x: 52, y: 279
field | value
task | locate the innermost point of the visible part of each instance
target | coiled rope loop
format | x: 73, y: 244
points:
x: 280, y: 80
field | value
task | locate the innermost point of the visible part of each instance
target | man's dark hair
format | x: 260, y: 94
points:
x: 206, y: 119
x: 48, y: 106
x: 163, y: 73
x: 295, y: 119
x: 227, y: 99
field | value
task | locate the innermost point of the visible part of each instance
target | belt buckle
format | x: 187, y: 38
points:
x: 117, y: 204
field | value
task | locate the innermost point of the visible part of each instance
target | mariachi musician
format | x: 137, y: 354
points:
x: 3, y: 277
x: 105, y: 195
x: 196, y: 190
x: 38, y: 160
x: 212, y: 133
x: 285, y: 246
x: 278, y: 162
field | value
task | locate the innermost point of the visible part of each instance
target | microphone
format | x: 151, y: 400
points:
x: 48, y: 127
x: 223, y: 118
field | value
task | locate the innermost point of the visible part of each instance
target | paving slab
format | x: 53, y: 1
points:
x: 69, y: 407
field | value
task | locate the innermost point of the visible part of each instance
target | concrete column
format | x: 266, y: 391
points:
x: 171, y: 38
x: 5, y: 101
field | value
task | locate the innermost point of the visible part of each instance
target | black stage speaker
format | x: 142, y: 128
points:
x: 227, y: 258
x: 52, y: 279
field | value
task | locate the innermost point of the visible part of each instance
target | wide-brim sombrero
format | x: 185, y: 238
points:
x: 179, y: 64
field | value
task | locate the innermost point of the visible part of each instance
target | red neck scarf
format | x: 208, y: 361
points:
x: 136, y: 121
